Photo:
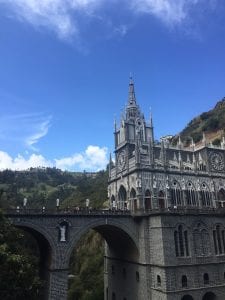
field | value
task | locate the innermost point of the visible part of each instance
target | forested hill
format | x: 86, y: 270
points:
x: 42, y: 186
x: 211, y: 122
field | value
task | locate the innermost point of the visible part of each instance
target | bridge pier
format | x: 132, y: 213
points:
x: 58, y: 284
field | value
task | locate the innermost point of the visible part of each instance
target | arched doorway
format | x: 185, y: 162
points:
x: 122, y: 195
x: 161, y: 200
x: 209, y: 296
x: 148, y: 200
x: 187, y: 297
x: 133, y: 199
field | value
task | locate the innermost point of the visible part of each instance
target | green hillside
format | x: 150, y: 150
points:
x: 211, y: 122
x: 43, y: 186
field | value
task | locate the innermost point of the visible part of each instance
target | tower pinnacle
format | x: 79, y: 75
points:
x: 131, y: 94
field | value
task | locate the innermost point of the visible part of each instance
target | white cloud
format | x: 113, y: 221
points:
x: 56, y: 15
x: 20, y: 163
x: 168, y: 11
x: 63, y: 16
x: 94, y: 158
x: 41, y: 130
x: 25, y: 129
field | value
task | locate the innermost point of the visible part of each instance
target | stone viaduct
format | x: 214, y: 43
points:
x: 58, y: 232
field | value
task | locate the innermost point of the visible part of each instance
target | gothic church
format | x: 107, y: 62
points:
x: 177, y: 194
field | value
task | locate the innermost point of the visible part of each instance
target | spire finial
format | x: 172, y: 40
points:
x: 131, y: 77
x: 131, y: 95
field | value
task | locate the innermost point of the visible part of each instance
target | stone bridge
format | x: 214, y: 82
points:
x: 57, y: 233
x: 140, y: 260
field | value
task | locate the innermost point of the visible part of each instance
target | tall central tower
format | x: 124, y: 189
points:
x: 134, y: 140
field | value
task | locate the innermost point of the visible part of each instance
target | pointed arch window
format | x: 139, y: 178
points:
x: 205, y: 195
x: 181, y: 242
x: 205, y: 242
x: 176, y: 195
x: 122, y: 195
x: 201, y: 241
x: 184, y: 281
x: 161, y: 200
x: 206, y: 278
x: 176, y: 243
x: 219, y: 240
x: 159, y: 280
x: 148, y: 200
x: 133, y: 199
x: 191, y: 197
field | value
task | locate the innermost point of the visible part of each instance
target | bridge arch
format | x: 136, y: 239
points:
x: 39, y: 233
x: 187, y: 297
x: 47, y: 252
x: 121, y: 240
x: 209, y: 296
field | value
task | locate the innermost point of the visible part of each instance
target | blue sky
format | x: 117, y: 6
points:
x: 65, y: 65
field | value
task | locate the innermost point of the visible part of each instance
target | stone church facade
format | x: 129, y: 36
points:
x: 177, y: 196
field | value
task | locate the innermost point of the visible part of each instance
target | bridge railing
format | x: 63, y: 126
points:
x: 182, y: 211
x: 35, y: 211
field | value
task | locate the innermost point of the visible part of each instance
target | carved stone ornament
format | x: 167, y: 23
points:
x: 121, y: 159
x: 217, y: 161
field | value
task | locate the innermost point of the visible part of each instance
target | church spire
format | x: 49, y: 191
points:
x: 151, y: 126
x: 151, y: 119
x: 131, y: 94
x: 132, y: 109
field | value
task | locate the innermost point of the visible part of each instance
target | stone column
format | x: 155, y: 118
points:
x: 58, y: 284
